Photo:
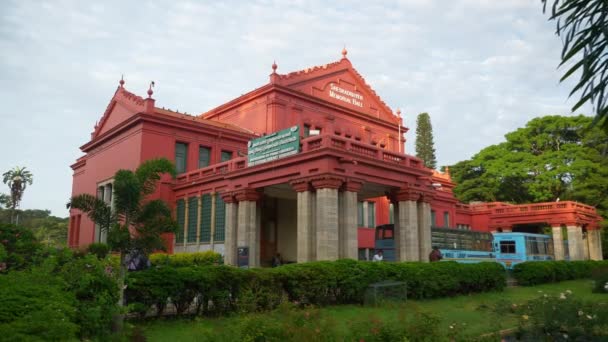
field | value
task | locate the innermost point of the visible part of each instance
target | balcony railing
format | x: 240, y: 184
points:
x: 307, y: 145
x: 545, y: 207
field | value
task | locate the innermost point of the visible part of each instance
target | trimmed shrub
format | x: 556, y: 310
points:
x: 35, y: 307
x: 98, y: 249
x: 215, y: 290
x: 540, y: 272
x: 186, y: 259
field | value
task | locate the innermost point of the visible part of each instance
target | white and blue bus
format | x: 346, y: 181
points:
x: 467, y: 246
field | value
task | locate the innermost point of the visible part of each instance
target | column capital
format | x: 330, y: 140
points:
x: 228, y: 197
x: 352, y: 185
x: 327, y: 182
x: 407, y: 194
x: 301, y: 185
x: 248, y: 194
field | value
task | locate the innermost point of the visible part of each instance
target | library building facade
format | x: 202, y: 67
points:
x: 307, y: 166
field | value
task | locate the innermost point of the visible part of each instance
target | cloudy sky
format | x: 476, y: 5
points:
x: 481, y: 68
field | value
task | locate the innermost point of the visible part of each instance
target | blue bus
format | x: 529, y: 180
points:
x: 466, y: 246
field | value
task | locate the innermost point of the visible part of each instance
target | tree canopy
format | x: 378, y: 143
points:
x: 425, y: 147
x: 551, y: 158
x: 583, y: 27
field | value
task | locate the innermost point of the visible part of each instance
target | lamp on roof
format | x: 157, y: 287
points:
x: 150, y: 92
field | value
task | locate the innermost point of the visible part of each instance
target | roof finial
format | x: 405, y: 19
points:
x: 398, y: 112
x: 344, y: 52
x: 274, y: 67
x: 122, y: 80
x: 150, y: 92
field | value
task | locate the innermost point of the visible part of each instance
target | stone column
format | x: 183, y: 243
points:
x: 406, y: 227
x: 424, y: 229
x: 595, y: 244
x: 349, y: 242
x: 305, y: 239
x: 575, y: 242
x: 230, y: 237
x: 558, y: 243
x: 327, y: 223
x: 248, y: 231
x: 586, y: 246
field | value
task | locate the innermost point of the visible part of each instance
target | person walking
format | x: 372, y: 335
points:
x: 378, y: 256
x: 435, y: 254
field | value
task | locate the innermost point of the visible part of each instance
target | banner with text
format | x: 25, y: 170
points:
x: 273, y: 146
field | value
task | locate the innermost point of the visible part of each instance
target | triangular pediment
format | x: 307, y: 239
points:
x: 122, y: 106
x: 340, y: 84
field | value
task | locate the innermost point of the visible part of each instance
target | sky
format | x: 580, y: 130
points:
x: 480, y: 68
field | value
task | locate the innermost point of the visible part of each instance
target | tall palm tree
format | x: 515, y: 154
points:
x: 134, y: 223
x: 17, y: 180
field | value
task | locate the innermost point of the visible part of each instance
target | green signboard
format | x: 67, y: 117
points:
x: 274, y: 146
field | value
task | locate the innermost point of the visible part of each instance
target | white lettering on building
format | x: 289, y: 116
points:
x: 346, y: 95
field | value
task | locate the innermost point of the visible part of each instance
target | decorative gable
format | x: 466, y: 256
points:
x: 122, y: 106
x: 340, y: 84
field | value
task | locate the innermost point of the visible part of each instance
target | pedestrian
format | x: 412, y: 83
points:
x: 277, y: 260
x: 435, y: 254
x: 378, y: 256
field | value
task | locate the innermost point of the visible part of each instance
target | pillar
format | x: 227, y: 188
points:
x: 558, y: 243
x: 585, y: 245
x: 327, y: 223
x: 248, y: 229
x: 406, y: 227
x: 595, y: 244
x: 304, y: 234
x: 230, y: 237
x: 575, y: 242
x: 349, y: 242
x: 424, y: 230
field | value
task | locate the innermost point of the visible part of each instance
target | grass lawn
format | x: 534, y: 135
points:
x: 476, y: 311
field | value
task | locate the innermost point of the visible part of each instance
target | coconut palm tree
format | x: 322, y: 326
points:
x: 134, y: 223
x: 17, y: 180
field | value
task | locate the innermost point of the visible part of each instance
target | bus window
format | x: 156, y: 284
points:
x: 388, y: 233
x: 532, y: 245
x: 507, y: 246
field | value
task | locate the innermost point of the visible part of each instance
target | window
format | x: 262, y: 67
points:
x: 192, y: 217
x: 206, y: 218
x: 226, y: 156
x: 181, y: 155
x: 181, y: 220
x: 507, y: 246
x: 433, y: 219
x: 360, y: 222
x: 371, y: 214
x: 204, y: 156
x: 306, y: 131
x: 220, y: 218
x: 446, y: 219
x: 391, y: 213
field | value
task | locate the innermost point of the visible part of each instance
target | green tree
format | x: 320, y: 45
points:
x: 425, y: 148
x: 551, y: 157
x: 17, y: 180
x: 134, y: 223
x: 583, y: 27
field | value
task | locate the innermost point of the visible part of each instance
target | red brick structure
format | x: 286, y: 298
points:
x: 351, y: 172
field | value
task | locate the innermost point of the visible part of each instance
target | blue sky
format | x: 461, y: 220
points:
x: 480, y: 68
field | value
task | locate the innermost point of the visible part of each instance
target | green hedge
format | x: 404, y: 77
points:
x: 186, y: 259
x: 539, y: 272
x: 212, y: 290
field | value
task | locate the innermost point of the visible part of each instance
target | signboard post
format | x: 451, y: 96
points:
x: 273, y: 146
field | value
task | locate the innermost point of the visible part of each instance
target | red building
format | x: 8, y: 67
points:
x: 347, y: 172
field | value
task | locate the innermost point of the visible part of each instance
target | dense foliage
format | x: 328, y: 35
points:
x: 186, y: 259
x: 49, y: 230
x: 425, y: 147
x: 19, y: 247
x: 561, y: 318
x: 552, y: 157
x: 134, y: 223
x: 582, y: 26
x: 223, y: 289
x: 540, y: 272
